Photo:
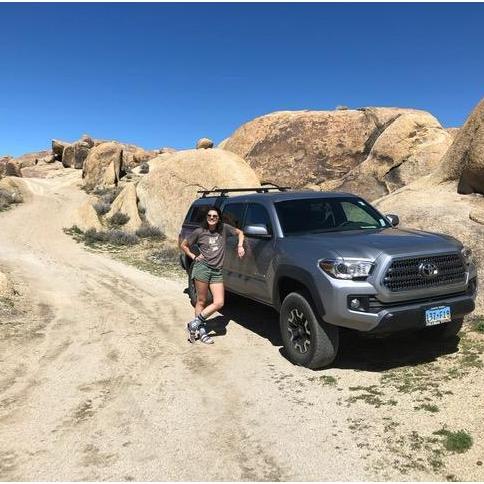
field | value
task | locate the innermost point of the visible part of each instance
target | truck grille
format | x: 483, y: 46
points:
x: 410, y: 274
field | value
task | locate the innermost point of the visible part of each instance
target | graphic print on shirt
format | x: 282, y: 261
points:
x: 213, y: 243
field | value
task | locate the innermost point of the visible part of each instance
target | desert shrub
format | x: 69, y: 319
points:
x: 148, y: 231
x: 106, y: 194
x: 144, y: 168
x: 341, y: 108
x: 118, y: 219
x: 114, y: 237
x: 459, y: 441
x: 102, y: 208
x: 93, y: 236
x: 119, y: 237
x: 166, y: 255
x: 9, y: 198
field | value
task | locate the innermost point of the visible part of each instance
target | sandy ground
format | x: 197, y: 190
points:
x: 97, y: 381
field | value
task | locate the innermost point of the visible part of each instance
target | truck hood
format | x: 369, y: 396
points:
x: 371, y: 244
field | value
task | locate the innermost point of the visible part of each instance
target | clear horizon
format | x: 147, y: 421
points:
x: 167, y: 74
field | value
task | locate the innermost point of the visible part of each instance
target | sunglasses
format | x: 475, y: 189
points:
x: 212, y: 216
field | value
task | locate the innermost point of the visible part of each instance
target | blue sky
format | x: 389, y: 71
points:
x: 166, y: 74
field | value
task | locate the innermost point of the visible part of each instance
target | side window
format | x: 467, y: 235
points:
x: 257, y: 214
x: 233, y: 214
x: 197, y: 214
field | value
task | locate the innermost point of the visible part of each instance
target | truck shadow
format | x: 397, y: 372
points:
x: 357, y: 351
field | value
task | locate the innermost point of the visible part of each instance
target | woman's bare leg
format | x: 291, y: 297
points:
x: 202, y: 293
x: 218, y: 292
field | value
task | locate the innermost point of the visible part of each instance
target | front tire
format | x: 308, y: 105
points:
x: 308, y: 340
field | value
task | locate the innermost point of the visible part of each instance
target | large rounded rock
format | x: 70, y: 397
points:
x: 102, y: 165
x: 204, y: 144
x: 433, y: 207
x: 17, y: 188
x: 299, y: 148
x: 9, y: 167
x: 127, y: 203
x: 170, y: 187
x: 75, y: 154
x: 464, y: 161
x: 85, y: 216
x: 408, y: 148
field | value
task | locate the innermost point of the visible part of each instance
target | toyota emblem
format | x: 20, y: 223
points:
x: 427, y: 269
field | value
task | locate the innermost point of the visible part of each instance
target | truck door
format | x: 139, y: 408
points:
x: 259, y: 253
x: 233, y: 214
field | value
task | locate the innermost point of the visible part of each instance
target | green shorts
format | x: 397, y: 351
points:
x: 205, y: 273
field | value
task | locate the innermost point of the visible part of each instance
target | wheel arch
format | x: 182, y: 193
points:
x: 295, y: 279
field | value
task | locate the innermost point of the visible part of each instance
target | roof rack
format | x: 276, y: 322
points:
x: 222, y: 192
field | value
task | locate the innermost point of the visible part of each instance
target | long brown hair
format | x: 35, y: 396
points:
x: 220, y: 224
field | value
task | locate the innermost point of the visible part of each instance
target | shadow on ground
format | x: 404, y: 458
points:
x: 357, y: 351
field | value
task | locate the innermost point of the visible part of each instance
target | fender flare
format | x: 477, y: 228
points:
x: 301, y: 276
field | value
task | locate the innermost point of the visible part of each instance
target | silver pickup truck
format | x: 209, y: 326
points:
x: 327, y: 260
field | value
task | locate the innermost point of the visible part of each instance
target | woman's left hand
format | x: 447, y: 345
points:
x: 240, y: 252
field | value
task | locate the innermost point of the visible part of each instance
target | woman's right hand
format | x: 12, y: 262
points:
x: 198, y: 257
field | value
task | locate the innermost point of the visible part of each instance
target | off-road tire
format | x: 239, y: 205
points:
x: 320, y: 340
x: 192, y: 290
x: 445, y: 330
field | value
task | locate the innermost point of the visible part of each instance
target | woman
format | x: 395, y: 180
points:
x: 211, y: 237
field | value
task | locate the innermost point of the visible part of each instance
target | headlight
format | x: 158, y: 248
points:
x: 467, y: 255
x: 347, y: 268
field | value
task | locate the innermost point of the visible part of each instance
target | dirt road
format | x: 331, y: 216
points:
x: 97, y: 381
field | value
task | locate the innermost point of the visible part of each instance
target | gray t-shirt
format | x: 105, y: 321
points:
x: 212, y: 244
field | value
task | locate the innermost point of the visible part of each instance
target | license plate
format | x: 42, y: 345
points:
x: 437, y: 315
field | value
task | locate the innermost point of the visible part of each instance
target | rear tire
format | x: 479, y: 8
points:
x: 192, y: 290
x: 308, y: 340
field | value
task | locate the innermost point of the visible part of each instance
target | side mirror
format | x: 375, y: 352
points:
x: 257, y: 230
x: 393, y: 219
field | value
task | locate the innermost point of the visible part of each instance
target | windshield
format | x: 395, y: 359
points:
x: 315, y: 215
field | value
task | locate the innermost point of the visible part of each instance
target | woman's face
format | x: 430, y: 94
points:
x: 212, y: 219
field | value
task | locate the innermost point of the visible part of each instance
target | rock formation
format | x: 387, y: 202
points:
x: 86, y: 217
x: 299, y: 148
x: 167, y: 191
x: 102, y: 166
x: 58, y: 147
x: 464, y: 161
x: 75, y: 154
x: 204, y: 143
x: 16, y: 187
x: 411, y: 146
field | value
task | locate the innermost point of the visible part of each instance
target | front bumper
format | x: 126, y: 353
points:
x: 398, y: 315
x: 413, y: 317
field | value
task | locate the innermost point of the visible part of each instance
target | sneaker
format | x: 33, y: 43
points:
x: 191, y: 334
x: 204, y: 337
